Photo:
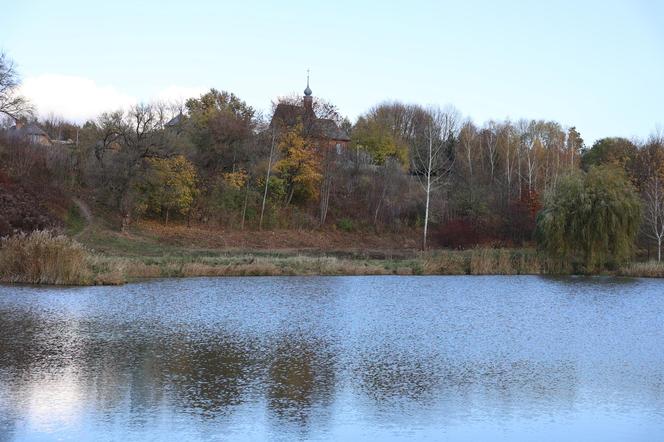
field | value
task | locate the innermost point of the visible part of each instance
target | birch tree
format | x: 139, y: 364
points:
x: 267, y: 176
x: 431, y: 162
x: 654, y: 211
x: 649, y: 177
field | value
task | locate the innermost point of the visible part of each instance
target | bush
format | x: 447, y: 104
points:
x: 43, y: 257
x: 346, y: 225
x: 464, y: 233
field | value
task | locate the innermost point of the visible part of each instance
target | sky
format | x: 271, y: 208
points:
x: 596, y: 65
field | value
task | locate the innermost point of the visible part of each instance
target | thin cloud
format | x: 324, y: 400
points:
x: 73, y: 98
x: 79, y: 99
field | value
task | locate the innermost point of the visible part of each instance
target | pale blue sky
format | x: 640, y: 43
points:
x: 598, y: 65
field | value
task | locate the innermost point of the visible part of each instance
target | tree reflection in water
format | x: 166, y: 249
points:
x: 315, y: 367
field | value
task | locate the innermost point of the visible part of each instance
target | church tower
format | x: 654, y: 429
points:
x: 308, y: 99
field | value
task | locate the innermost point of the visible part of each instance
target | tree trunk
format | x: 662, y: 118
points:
x: 326, y: 188
x: 290, y: 195
x: 428, y: 192
x: 426, y: 213
x: 267, y: 181
x: 244, y: 206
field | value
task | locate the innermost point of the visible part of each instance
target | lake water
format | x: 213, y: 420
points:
x: 335, y: 358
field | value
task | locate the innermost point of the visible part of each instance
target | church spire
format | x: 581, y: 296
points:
x: 307, y: 91
x: 308, y: 99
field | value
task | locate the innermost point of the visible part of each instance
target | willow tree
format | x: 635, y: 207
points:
x: 593, y: 216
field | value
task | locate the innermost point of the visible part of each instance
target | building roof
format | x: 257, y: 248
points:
x: 176, y: 120
x: 329, y: 129
x: 28, y: 129
x: 291, y: 114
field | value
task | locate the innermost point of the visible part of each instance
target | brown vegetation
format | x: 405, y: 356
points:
x: 42, y: 257
x: 650, y: 269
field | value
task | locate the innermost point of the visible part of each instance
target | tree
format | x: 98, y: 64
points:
x: 11, y: 104
x: 649, y: 177
x: 574, y: 144
x: 220, y: 125
x: 121, y: 142
x: 299, y: 165
x: 431, y: 162
x: 654, y: 211
x: 170, y: 185
x: 615, y: 151
x: 373, y: 135
x: 273, y: 136
x: 594, y: 215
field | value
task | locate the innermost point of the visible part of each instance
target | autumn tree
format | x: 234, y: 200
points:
x: 618, y: 152
x: 169, y: 186
x: 574, y: 144
x: 299, y: 165
x: 372, y: 135
x: 120, y: 142
x: 220, y: 126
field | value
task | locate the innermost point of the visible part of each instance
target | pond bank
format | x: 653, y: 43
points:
x: 113, y: 269
x: 47, y: 258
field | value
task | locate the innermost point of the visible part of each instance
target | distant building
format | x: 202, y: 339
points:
x: 176, y: 121
x: 31, y: 133
x: 325, y: 131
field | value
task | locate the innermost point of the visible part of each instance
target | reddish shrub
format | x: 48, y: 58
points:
x: 462, y: 233
x: 519, y: 223
x: 22, y: 211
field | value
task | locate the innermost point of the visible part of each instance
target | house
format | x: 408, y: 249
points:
x: 30, y: 132
x: 325, y: 131
x: 176, y: 121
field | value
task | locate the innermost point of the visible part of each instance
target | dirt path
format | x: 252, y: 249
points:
x: 86, y: 212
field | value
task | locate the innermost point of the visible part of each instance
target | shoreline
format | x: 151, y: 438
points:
x: 108, y: 258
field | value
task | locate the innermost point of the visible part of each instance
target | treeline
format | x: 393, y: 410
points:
x: 214, y: 160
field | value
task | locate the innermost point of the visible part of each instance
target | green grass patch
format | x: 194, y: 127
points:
x: 74, y: 221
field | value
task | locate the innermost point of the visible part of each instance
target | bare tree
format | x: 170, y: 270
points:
x: 431, y: 162
x: 267, y: 176
x: 650, y: 167
x: 11, y: 104
x: 490, y: 141
x: 654, y: 211
x: 328, y: 164
x: 123, y: 141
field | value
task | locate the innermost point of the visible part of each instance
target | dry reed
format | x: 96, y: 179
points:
x: 43, y: 257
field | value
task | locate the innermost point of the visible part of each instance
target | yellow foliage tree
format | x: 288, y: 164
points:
x: 170, y: 185
x: 237, y: 179
x: 299, y: 166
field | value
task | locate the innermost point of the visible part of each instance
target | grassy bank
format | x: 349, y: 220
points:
x: 475, y: 262
x: 47, y: 258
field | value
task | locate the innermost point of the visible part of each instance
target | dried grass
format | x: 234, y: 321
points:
x: 650, y: 269
x: 46, y: 258
x: 43, y: 257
